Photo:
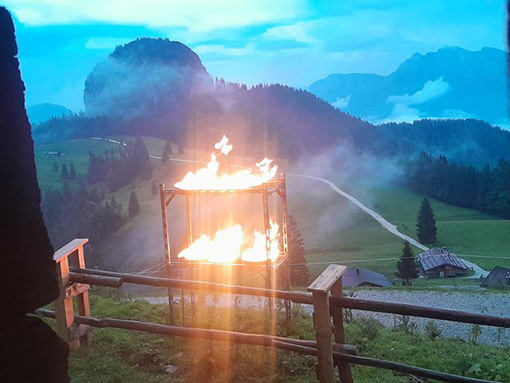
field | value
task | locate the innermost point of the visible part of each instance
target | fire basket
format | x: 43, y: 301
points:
x: 276, y: 186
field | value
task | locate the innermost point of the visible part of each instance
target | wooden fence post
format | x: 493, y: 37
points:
x: 338, y: 321
x: 64, y: 312
x: 320, y: 289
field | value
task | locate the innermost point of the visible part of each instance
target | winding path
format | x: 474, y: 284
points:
x: 478, y: 271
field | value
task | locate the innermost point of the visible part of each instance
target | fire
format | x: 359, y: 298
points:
x: 208, y: 178
x: 227, y: 247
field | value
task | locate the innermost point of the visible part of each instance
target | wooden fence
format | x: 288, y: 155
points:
x: 325, y: 294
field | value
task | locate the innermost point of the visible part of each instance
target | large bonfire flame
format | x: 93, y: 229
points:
x: 229, y: 245
x: 208, y: 178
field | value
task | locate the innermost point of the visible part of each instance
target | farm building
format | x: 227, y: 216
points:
x: 439, y: 263
x: 356, y: 276
x: 498, y: 278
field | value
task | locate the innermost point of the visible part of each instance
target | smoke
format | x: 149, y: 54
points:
x: 320, y: 211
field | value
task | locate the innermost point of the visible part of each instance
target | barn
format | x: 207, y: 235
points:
x: 440, y: 263
x: 498, y: 278
x: 358, y: 277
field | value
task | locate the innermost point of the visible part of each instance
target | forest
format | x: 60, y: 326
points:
x: 486, y: 189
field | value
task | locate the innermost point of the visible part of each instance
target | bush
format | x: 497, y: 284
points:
x: 406, y: 324
x: 432, y: 331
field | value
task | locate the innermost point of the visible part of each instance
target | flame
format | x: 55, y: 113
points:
x: 208, y: 178
x: 226, y: 247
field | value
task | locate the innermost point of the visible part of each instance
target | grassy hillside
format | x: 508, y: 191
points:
x: 333, y: 229
x: 73, y: 151
x: 463, y: 231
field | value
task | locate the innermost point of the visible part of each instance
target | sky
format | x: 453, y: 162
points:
x: 293, y: 42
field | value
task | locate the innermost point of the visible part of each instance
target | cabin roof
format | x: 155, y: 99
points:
x: 435, y: 257
x: 356, y: 276
x: 498, y: 275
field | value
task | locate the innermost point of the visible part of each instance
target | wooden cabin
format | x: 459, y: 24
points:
x: 440, y: 263
x: 498, y: 278
x: 358, y: 277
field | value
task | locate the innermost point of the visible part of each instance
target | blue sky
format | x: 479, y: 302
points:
x: 294, y: 42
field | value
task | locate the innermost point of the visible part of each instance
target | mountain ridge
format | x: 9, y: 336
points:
x: 451, y: 82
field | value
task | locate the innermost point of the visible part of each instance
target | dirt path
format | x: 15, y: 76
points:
x: 478, y: 271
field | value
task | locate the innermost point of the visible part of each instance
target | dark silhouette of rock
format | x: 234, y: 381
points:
x: 29, y: 350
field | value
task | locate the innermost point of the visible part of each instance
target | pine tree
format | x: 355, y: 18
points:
x: 299, y: 275
x: 406, y: 266
x: 72, y: 172
x: 64, y: 172
x: 134, y: 205
x: 55, y: 166
x: 426, y: 223
x: 167, y: 151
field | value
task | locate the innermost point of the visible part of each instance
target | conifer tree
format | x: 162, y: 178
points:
x: 167, y: 151
x: 55, y: 166
x: 64, y: 174
x: 426, y: 223
x: 406, y: 266
x: 72, y: 172
x: 299, y: 275
x: 134, y: 205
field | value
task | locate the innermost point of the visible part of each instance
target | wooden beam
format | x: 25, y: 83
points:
x: 344, y: 368
x: 327, y: 279
x: 296, y: 297
x: 71, y: 247
x: 95, y: 280
x: 420, y: 311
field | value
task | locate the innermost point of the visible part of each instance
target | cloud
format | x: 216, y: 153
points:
x: 430, y: 91
x: 197, y: 15
x: 299, y: 32
x: 402, y: 110
x: 342, y: 102
x: 106, y: 42
x: 222, y: 50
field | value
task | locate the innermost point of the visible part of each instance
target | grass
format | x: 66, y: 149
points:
x: 135, y: 357
x: 74, y: 151
x: 481, y: 238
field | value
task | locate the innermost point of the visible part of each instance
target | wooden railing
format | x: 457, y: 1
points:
x: 325, y: 294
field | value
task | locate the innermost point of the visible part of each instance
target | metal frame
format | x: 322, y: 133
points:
x: 275, y: 186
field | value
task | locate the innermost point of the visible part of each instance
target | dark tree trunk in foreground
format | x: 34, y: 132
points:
x: 29, y: 350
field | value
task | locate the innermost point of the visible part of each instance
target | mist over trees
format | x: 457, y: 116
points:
x: 118, y: 171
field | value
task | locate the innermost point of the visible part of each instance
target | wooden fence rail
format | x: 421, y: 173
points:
x: 306, y: 298
x: 325, y: 294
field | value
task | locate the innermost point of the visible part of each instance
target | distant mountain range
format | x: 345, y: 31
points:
x: 160, y: 88
x: 42, y: 112
x: 449, y: 83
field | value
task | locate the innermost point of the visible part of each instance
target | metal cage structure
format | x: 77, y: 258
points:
x: 274, y: 187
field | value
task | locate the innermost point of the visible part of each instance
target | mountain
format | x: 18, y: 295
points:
x: 449, y: 83
x: 191, y: 109
x: 143, y: 76
x: 42, y: 112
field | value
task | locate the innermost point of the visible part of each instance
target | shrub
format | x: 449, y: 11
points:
x: 432, y: 331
